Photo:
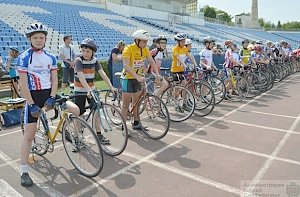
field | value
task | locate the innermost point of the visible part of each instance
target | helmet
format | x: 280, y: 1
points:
x: 188, y: 42
x: 35, y: 28
x: 269, y: 42
x: 180, y: 36
x: 141, y: 35
x: 160, y: 37
x: 14, y: 49
x: 259, y: 42
x: 208, y: 40
x: 228, y: 42
x: 282, y: 42
x: 90, y: 43
x: 258, y: 47
x: 245, y: 41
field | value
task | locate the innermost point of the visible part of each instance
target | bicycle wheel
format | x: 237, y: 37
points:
x: 218, y: 88
x: 82, y: 146
x: 112, y: 126
x: 41, y: 142
x: 241, y: 91
x: 154, y: 116
x: 180, y: 102
x: 255, y: 85
x: 204, y: 99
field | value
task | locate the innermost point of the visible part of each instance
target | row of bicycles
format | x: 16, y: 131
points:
x: 199, y: 96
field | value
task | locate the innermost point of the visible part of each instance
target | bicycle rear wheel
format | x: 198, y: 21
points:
x: 180, y: 102
x: 41, y: 142
x: 204, y: 97
x: 154, y: 116
x: 82, y: 146
x: 112, y: 126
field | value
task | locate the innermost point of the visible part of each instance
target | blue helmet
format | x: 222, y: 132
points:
x: 14, y: 49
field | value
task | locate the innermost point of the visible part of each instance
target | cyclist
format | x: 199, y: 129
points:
x: 230, y: 62
x: 206, y: 55
x: 179, y: 55
x: 134, y: 57
x: 86, y: 65
x: 189, y: 64
x: 257, y: 56
x: 11, y: 65
x: 158, y: 54
x: 38, y: 75
x: 245, y: 52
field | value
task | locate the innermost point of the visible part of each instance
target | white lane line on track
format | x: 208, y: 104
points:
x: 263, y: 170
x: 100, y: 182
x: 7, y: 190
x: 38, y: 182
x: 270, y: 114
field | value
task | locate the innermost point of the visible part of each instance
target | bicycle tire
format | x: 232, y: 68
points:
x: 174, y: 105
x: 113, y: 128
x: 152, y: 110
x: 76, y: 145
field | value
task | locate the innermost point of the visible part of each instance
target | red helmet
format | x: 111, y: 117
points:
x: 228, y: 42
x: 258, y: 48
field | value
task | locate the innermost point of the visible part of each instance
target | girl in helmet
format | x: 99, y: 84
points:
x: 11, y: 65
x: 257, y: 56
x: 38, y: 75
x: 206, y: 55
x: 86, y: 66
x: 134, y: 60
x: 158, y: 54
x: 180, y: 54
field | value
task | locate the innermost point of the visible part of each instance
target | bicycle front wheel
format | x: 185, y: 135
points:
x: 112, y: 126
x: 154, y: 116
x: 82, y: 146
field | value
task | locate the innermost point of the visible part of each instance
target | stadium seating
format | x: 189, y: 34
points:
x: 82, y: 19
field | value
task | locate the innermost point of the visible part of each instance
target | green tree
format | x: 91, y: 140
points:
x: 261, y: 22
x: 224, y: 16
x: 209, y: 11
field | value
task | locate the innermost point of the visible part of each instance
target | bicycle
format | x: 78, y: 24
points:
x: 111, y: 124
x: 151, y: 110
x: 79, y: 140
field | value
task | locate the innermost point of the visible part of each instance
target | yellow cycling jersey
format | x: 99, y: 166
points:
x: 182, y: 52
x: 137, y: 57
x: 245, y: 55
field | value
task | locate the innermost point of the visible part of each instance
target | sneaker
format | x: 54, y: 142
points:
x: 179, y: 109
x: 103, y: 140
x: 26, y: 181
x: 139, y: 127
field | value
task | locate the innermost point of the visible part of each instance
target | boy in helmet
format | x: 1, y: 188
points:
x: 134, y: 57
x: 245, y: 52
x: 206, y: 55
x: 86, y: 66
x: 38, y: 77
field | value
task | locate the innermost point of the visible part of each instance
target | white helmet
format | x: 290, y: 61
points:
x: 36, y: 28
x: 141, y: 35
x: 180, y: 36
x: 188, y: 42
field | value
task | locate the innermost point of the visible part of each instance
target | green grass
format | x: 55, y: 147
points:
x: 100, y: 85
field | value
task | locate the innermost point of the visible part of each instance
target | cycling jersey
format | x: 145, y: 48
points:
x: 207, y: 56
x: 89, y: 68
x: 137, y: 59
x: 38, y: 66
x: 228, y: 57
x: 157, y: 55
x: 245, y: 55
x: 182, y: 52
x: 286, y: 51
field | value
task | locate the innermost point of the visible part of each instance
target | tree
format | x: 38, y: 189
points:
x: 209, y: 11
x: 279, y: 25
x: 224, y: 16
x: 261, y: 22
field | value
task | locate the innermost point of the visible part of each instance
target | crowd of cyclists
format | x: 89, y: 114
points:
x: 184, y: 87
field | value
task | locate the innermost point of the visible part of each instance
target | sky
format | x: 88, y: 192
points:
x: 270, y: 10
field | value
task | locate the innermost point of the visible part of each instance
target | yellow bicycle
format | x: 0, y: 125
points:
x: 79, y: 139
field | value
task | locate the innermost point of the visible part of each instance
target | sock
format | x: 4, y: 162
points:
x: 24, y: 169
